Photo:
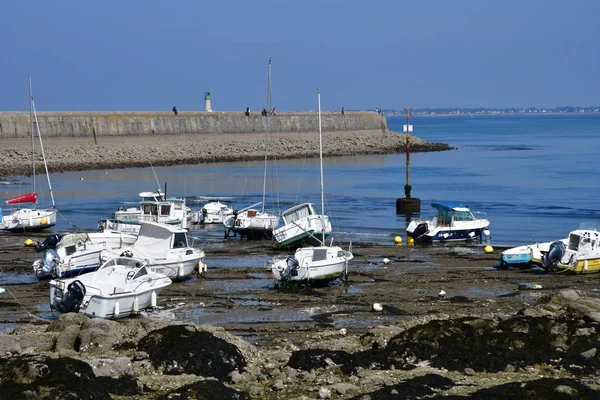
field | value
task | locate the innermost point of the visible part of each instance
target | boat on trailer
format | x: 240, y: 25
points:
x: 121, y: 287
x: 454, y: 221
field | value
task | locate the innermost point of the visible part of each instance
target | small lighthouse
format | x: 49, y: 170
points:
x: 207, y: 106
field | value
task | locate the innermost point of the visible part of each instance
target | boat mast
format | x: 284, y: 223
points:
x: 32, y: 137
x: 267, y: 135
x: 321, y: 164
x: 37, y: 125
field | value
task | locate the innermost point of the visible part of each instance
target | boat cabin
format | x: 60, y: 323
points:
x: 298, y: 212
x: 450, y: 212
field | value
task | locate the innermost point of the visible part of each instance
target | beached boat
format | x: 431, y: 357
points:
x: 30, y: 219
x: 579, y: 255
x: 73, y: 254
x: 251, y: 223
x: 154, y: 207
x: 317, y: 265
x: 453, y: 221
x: 121, y: 287
x: 166, y: 249
x: 520, y: 256
x: 301, y: 224
x: 213, y: 212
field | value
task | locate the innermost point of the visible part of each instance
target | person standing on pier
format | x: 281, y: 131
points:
x: 174, y: 110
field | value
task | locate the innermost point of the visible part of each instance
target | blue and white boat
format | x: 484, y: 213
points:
x: 453, y: 221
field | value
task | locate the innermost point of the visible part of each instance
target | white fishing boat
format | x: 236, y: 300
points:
x: 121, y: 287
x: 579, y: 255
x: 318, y: 265
x: 154, y: 207
x: 301, y: 224
x: 166, y: 250
x: 73, y: 254
x: 213, y: 212
x: 30, y: 219
x: 251, y: 223
x: 453, y: 221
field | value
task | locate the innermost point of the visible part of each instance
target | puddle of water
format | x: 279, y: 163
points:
x: 237, y: 262
x: 237, y: 285
x: 15, y: 279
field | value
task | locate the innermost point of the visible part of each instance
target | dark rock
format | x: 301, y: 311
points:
x: 43, y: 377
x: 540, y: 389
x: 411, y: 389
x: 306, y: 360
x: 181, y: 349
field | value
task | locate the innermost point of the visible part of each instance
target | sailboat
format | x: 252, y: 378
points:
x: 249, y: 222
x: 30, y: 219
x: 318, y: 265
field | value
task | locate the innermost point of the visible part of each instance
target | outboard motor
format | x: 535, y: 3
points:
x: 49, y: 243
x: 291, y: 269
x: 71, y: 300
x: 420, y: 230
x: 555, y: 254
x: 50, y: 261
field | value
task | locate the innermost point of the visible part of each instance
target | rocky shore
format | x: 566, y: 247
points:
x: 108, y: 152
x: 488, y: 337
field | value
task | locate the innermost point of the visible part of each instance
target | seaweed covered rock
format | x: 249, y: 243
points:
x: 41, y: 377
x: 414, y: 388
x: 306, y: 360
x: 183, y: 349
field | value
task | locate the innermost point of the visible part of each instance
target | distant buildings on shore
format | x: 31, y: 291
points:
x: 495, y: 111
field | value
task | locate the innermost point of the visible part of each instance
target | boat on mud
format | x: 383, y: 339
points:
x: 579, y: 255
x: 213, y: 212
x: 121, y: 287
x: 166, y: 249
x: 453, y: 222
x: 72, y: 254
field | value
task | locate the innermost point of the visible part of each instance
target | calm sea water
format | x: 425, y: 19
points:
x: 535, y: 177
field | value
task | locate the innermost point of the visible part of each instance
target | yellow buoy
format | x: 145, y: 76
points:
x: 410, y: 240
x: 28, y: 242
x: 44, y: 221
x: 397, y: 239
x: 276, y: 245
x: 488, y: 249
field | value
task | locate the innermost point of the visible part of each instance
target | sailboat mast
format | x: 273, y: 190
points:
x: 32, y: 134
x: 267, y: 135
x: 37, y: 125
x: 321, y: 164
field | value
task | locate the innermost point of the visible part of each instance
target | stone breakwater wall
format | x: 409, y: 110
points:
x: 86, y: 141
x: 86, y: 124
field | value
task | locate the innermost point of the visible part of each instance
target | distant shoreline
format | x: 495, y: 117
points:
x: 538, y: 114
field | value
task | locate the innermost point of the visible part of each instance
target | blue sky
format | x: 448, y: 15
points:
x: 151, y: 55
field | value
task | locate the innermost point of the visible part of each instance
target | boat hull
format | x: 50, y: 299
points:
x: 28, y: 220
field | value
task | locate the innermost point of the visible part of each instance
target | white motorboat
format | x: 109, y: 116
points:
x: 579, y: 255
x: 121, y: 287
x: 251, y: 223
x: 30, y: 219
x: 154, y: 207
x: 453, y: 221
x: 166, y: 249
x: 312, y: 265
x: 74, y: 254
x: 213, y: 212
x: 301, y: 225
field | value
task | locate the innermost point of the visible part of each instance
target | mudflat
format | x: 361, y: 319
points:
x: 487, y: 335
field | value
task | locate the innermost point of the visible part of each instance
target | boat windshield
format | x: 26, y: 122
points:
x: 180, y: 240
x: 574, y: 242
x: 463, y: 216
